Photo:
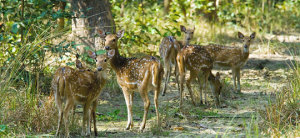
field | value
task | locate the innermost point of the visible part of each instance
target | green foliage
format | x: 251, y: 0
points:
x: 110, y: 116
x: 3, y: 129
x: 145, y: 24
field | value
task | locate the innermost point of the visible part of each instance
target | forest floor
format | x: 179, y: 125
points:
x: 262, y: 77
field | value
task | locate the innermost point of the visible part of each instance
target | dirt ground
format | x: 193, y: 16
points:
x: 261, y: 77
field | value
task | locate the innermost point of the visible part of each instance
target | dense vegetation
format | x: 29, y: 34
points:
x: 33, y: 45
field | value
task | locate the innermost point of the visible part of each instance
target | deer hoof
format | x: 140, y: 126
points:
x: 141, y: 130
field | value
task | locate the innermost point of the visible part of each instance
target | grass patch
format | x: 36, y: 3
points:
x: 110, y: 116
x: 281, y: 116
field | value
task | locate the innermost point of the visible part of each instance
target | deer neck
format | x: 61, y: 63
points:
x: 185, y: 42
x: 117, y: 61
x: 245, y: 53
x: 100, y: 77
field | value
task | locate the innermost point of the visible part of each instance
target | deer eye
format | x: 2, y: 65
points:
x: 105, y: 60
x: 114, y: 40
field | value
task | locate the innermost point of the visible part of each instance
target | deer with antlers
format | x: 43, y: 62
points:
x: 168, y: 50
x: 71, y: 86
x: 197, y: 60
x: 134, y: 74
x: 233, y: 57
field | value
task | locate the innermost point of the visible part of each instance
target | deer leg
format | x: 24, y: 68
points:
x: 146, y: 100
x: 68, y: 107
x: 167, y: 77
x: 131, y: 103
x: 238, y: 71
x: 182, y: 79
x: 94, y: 116
x: 188, y: 85
x: 176, y: 76
x: 86, y: 120
x: 156, y: 93
x: 60, y: 113
x: 129, y: 106
x: 200, y: 89
x: 206, y: 75
x: 73, y: 113
x: 234, y: 78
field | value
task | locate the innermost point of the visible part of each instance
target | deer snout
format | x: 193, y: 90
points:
x: 107, y: 48
x: 99, y: 68
x: 245, y: 46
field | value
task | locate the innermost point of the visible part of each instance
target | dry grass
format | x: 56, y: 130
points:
x: 281, y: 117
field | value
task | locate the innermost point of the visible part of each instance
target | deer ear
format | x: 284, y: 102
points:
x: 101, y: 33
x: 111, y: 53
x: 120, y: 34
x: 218, y: 75
x: 252, y: 36
x: 182, y: 28
x: 92, y: 54
x: 240, y: 35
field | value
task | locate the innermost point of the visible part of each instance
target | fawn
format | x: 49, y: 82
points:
x: 197, y: 60
x: 72, y: 87
x: 134, y: 74
x: 168, y: 50
x: 233, y: 57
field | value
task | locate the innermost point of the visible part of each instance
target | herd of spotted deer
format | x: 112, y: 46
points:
x: 83, y: 86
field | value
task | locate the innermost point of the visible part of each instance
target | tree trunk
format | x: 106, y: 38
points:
x: 22, y: 19
x: 122, y: 8
x: 61, y: 20
x: 90, y: 15
x: 167, y: 6
x: 212, y: 16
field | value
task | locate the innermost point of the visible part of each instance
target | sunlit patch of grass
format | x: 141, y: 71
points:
x: 157, y: 130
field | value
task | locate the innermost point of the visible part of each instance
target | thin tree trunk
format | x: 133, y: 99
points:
x: 90, y: 15
x: 167, y: 4
x: 122, y: 8
x: 22, y: 19
x: 61, y: 20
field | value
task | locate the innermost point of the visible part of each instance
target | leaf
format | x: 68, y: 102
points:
x: 178, y: 33
x: 15, y: 28
x: 70, y: 63
x: 90, y: 60
x: 100, y: 52
x: 87, y: 48
x: 157, y: 31
x: 67, y: 46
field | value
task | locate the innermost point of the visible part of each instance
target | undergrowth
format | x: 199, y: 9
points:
x: 281, y: 117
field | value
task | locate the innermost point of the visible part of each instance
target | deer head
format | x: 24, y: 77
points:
x: 246, y: 40
x: 189, y: 33
x: 111, y: 40
x: 216, y: 86
x: 101, y: 60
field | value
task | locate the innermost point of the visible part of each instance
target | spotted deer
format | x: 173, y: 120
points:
x: 233, y: 57
x: 134, y: 74
x: 168, y: 50
x: 71, y: 86
x: 197, y: 60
